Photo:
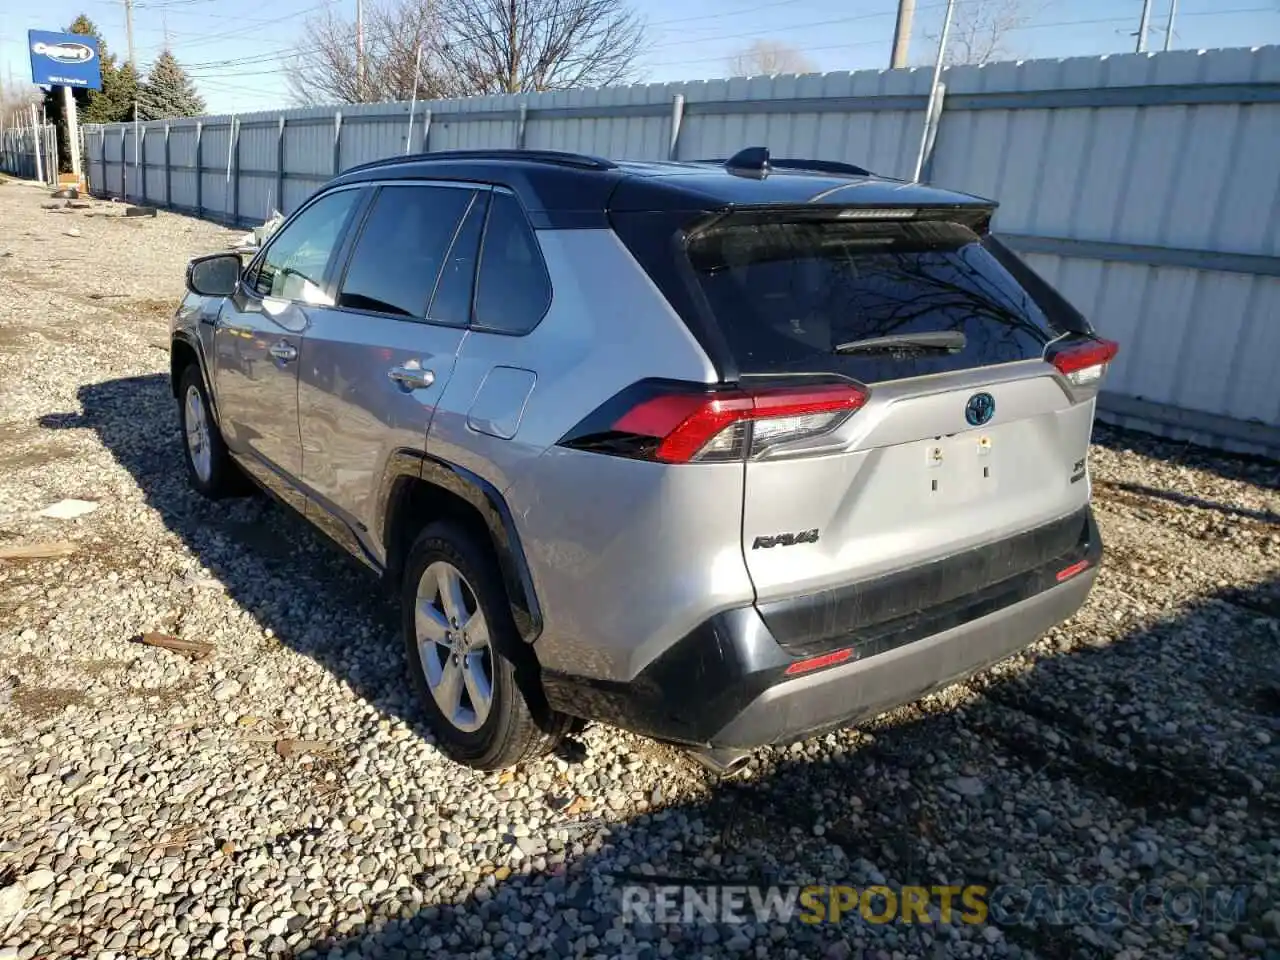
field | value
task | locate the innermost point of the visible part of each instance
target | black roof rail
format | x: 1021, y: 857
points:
x: 756, y: 163
x: 580, y: 160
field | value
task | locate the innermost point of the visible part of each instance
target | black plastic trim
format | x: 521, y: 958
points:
x: 888, y: 611
x: 490, y: 505
x: 692, y: 691
x: 197, y: 347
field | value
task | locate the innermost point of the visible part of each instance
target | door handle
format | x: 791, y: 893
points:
x: 411, y: 376
x: 284, y: 351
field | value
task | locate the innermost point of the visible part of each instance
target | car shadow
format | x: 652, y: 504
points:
x: 312, y: 596
x: 925, y: 796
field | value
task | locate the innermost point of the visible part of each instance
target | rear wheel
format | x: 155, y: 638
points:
x: 476, y: 676
x: 209, y: 466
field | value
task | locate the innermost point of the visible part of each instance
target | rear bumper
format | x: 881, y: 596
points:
x: 725, y: 684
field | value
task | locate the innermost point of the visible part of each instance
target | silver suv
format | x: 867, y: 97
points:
x: 724, y: 453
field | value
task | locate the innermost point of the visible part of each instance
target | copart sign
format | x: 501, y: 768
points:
x: 64, y: 60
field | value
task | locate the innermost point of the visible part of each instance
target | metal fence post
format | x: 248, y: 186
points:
x: 124, y: 167
x: 677, y: 118
x: 426, y: 130
x: 524, y: 118
x: 279, y: 204
x: 139, y: 158
x: 337, y: 142
x: 235, y: 172
x: 199, y: 161
x: 168, y: 180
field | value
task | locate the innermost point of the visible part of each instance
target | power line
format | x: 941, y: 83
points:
x: 211, y: 71
x: 272, y: 57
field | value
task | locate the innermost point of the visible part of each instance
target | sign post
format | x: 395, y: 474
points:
x: 73, y: 130
x: 35, y: 143
x: 65, y: 60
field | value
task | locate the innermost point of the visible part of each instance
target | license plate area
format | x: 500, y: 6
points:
x: 959, y: 469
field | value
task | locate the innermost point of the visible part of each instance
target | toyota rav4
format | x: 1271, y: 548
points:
x: 724, y: 453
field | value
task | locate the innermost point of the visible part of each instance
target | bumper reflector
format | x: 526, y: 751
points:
x: 1066, y: 573
x: 817, y: 663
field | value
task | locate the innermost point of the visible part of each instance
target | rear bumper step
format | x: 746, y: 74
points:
x: 724, y: 685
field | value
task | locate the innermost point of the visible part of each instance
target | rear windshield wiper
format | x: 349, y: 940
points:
x: 946, y: 341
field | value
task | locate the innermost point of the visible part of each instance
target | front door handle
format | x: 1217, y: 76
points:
x: 284, y: 351
x: 411, y: 376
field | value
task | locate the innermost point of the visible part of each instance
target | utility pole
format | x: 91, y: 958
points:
x: 1168, y: 30
x: 360, y: 51
x: 128, y: 29
x: 1143, y: 25
x: 902, y: 33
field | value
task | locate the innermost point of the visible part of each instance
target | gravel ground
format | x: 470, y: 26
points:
x: 278, y: 797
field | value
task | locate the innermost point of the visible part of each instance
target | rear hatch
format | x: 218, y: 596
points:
x: 938, y: 451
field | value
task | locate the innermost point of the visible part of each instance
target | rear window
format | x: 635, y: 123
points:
x: 787, y: 294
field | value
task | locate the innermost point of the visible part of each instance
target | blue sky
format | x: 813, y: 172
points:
x: 687, y: 41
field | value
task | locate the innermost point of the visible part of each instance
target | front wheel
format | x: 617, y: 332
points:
x: 209, y: 466
x: 475, y: 675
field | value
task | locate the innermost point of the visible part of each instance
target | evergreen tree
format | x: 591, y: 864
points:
x: 121, y: 93
x: 114, y: 102
x: 168, y: 92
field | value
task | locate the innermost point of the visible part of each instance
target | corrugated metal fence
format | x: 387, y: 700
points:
x: 1146, y: 187
x: 18, y: 147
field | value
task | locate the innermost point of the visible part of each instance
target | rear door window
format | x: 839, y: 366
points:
x: 788, y: 294
x: 401, y: 249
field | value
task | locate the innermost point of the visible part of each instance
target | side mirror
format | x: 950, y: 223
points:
x: 215, y: 275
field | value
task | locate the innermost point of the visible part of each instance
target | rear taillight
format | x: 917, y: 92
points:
x: 687, y: 424
x: 1084, y: 362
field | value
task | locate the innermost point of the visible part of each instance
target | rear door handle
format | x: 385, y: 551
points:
x: 411, y: 376
x: 284, y: 351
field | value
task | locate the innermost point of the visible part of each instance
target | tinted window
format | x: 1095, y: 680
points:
x: 401, y: 249
x: 452, y: 302
x: 513, y: 291
x: 788, y: 294
x: 293, y: 265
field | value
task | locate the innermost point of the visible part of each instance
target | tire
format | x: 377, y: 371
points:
x: 515, y: 724
x: 210, y: 468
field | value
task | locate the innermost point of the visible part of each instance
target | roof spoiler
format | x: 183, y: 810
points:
x: 755, y: 163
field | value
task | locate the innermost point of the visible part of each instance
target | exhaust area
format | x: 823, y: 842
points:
x: 720, y: 761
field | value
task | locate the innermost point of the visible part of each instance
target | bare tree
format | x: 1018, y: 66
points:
x: 16, y: 96
x: 768, y: 57
x: 402, y: 37
x: 517, y: 46
x: 980, y: 31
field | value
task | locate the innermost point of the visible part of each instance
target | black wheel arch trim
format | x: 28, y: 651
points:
x: 192, y: 342
x: 492, y: 508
